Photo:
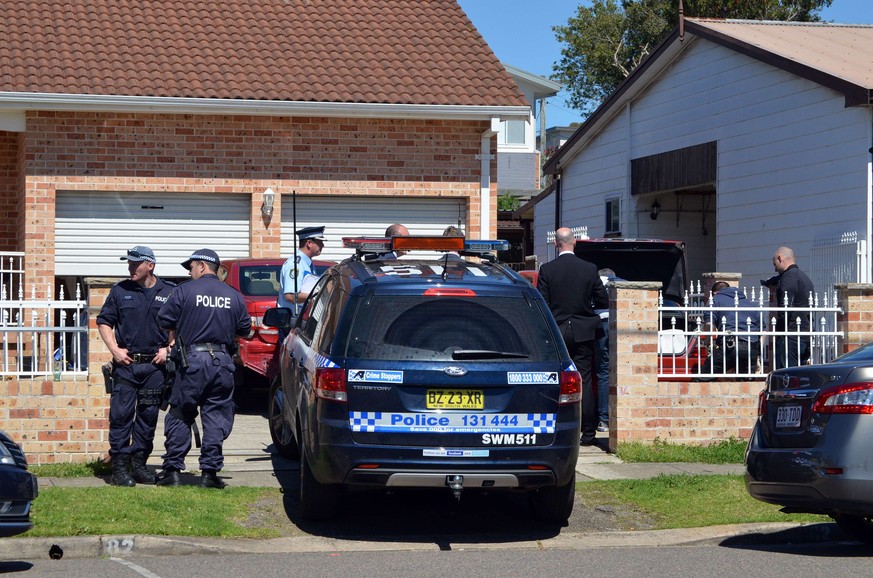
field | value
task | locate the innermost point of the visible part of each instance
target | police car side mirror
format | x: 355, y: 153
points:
x: 278, y: 317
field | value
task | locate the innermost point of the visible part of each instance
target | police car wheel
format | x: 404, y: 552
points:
x: 317, y: 501
x: 858, y: 527
x: 280, y: 429
x: 554, y: 504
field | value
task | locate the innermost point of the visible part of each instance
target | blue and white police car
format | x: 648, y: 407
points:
x: 440, y: 372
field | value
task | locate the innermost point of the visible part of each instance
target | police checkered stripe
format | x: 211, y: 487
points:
x: 542, y: 422
x: 364, y: 420
x: 199, y: 257
x: 322, y: 361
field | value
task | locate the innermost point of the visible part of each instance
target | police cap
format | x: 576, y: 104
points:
x: 140, y: 253
x: 315, y: 233
x: 207, y: 255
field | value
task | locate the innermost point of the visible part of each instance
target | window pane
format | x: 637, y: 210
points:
x: 512, y: 132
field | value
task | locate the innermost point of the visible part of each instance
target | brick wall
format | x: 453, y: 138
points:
x: 9, y: 181
x: 642, y: 408
x: 856, y: 321
x: 238, y: 154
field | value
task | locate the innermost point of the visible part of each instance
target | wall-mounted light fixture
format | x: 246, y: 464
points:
x: 656, y: 210
x: 269, y: 199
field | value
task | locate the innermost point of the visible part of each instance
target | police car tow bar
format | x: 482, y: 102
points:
x: 456, y: 484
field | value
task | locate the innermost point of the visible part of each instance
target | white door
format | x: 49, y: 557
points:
x: 367, y: 217
x: 94, y: 229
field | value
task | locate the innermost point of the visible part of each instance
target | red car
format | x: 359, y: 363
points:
x: 258, y: 281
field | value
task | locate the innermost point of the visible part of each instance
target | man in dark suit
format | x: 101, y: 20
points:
x: 573, y: 290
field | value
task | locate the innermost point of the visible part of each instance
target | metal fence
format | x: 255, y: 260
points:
x: 39, y: 336
x: 692, y: 337
x: 838, y: 258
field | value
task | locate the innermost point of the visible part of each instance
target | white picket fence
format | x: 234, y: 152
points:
x: 686, y: 344
x: 39, y: 336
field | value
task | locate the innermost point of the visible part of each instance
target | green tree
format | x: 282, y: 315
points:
x: 507, y: 202
x: 607, y: 39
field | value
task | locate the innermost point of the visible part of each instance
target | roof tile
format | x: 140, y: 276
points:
x: 367, y: 51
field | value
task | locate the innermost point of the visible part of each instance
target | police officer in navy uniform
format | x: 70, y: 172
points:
x: 128, y: 325
x: 204, y: 316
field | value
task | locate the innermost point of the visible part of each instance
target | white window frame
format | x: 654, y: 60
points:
x: 504, y: 133
x: 612, y: 214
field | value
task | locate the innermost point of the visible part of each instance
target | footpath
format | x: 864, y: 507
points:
x: 249, y: 462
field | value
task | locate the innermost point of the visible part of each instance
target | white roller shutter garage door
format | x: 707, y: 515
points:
x: 94, y: 229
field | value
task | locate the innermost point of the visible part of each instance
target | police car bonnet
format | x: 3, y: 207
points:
x: 202, y: 255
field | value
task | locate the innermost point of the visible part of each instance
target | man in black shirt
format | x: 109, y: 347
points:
x: 793, y: 289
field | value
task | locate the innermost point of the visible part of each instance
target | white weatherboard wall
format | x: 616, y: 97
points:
x: 94, y: 229
x: 792, y: 162
x: 361, y: 216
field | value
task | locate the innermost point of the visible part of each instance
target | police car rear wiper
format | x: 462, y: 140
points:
x: 485, y: 354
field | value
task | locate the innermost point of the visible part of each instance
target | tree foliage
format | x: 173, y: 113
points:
x: 607, y: 39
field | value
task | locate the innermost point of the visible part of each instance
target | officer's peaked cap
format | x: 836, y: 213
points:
x: 207, y: 255
x: 140, y: 253
x: 311, y: 233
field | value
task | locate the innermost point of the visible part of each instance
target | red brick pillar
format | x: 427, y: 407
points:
x: 633, y: 360
x: 856, y: 320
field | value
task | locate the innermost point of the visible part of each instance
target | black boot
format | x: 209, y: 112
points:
x: 120, y: 474
x: 138, y: 469
x: 170, y: 478
x: 209, y: 479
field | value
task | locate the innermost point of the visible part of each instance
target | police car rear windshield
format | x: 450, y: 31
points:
x: 416, y: 327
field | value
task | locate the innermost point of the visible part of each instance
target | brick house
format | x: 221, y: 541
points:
x: 163, y: 123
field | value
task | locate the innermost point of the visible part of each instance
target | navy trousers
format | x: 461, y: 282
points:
x: 206, y: 385
x: 133, y: 408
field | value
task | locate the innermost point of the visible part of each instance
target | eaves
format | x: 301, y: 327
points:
x: 23, y: 101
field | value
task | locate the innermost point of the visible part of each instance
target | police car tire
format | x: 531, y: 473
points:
x: 554, y: 504
x: 281, y: 431
x: 317, y: 501
x: 858, y: 527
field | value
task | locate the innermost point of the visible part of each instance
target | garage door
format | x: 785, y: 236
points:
x: 94, y: 229
x: 368, y: 216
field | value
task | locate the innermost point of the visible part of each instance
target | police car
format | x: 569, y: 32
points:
x: 435, y: 373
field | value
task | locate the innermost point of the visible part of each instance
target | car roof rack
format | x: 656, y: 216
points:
x: 371, y: 246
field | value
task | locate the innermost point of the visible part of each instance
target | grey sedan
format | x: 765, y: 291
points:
x: 810, y: 450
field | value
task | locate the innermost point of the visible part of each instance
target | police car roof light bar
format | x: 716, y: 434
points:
x: 486, y: 245
x: 422, y: 243
x: 368, y: 244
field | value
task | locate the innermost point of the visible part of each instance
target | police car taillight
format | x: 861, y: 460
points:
x: 330, y: 384
x: 571, y: 388
x: 449, y: 292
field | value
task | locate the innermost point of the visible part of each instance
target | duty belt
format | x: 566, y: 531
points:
x: 210, y: 347
x: 142, y: 357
